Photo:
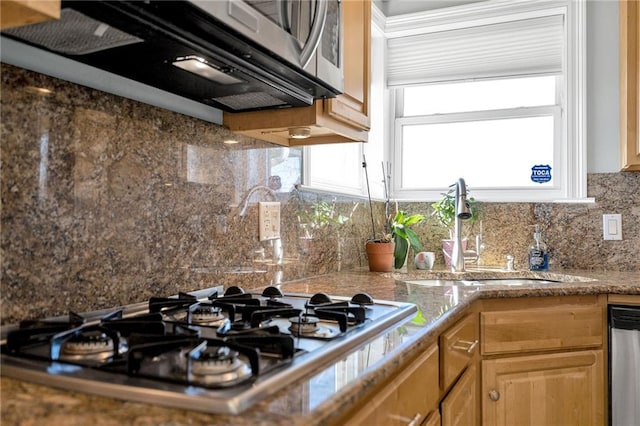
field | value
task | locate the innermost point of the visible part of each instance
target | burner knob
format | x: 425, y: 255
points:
x: 234, y: 290
x: 319, y: 299
x: 272, y: 292
x: 362, y: 299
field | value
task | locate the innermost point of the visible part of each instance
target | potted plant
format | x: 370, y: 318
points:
x: 445, y: 211
x: 391, y: 249
x: 379, y: 249
x: 404, y: 236
x: 380, y: 253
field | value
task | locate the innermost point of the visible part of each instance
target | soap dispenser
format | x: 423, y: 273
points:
x: 538, y: 252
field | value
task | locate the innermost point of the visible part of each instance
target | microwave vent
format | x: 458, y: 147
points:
x: 74, y: 34
x: 255, y: 99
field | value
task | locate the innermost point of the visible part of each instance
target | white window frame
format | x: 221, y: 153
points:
x: 569, y: 153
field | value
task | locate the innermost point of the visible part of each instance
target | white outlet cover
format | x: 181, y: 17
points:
x: 269, y: 218
x: 612, y: 226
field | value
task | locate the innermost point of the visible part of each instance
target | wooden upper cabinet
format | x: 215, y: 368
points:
x: 15, y: 13
x: 629, y: 87
x: 352, y: 107
x: 341, y: 119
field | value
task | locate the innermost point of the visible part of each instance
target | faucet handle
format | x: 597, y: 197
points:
x: 510, y: 263
x: 471, y: 256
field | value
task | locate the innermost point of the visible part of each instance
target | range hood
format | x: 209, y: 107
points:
x: 178, y: 47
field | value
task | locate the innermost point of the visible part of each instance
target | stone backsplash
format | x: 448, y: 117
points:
x: 573, y: 231
x: 107, y: 201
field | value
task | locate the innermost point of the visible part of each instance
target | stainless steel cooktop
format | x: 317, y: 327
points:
x: 206, y: 350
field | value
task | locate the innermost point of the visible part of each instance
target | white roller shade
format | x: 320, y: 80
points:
x: 523, y: 47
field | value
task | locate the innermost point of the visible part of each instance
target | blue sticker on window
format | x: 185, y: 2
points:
x: 541, y: 173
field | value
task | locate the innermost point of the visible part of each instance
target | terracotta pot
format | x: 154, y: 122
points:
x: 380, y: 256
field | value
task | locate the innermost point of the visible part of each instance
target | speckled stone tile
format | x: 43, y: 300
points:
x: 107, y: 201
x: 573, y: 232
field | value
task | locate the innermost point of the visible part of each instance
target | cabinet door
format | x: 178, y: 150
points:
x: 553, y: 389
x: 352, y: 107
x: 407, y: 398
x: 629, y: 87
x: 459, y: 408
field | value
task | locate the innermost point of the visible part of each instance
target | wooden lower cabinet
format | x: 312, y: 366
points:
x: 541, y: 363
x: 458, y: 348
x: 550, y: 389
x: 459, y: 408
x: 405, y: 400
x: 540, y: 324
x: 433, y: 419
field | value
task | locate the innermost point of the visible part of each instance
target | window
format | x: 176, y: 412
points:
x: 334, y: 167
x: 488, y: 99
x: 484, y: 131
x: 490, y: 91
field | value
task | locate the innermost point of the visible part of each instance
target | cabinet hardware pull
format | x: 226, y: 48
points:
x: 494, y: 395
x: 465, y: 345
x: 415, y: 421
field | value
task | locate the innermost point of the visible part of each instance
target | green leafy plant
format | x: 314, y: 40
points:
x: 445, y: 209
x: 404, y: 236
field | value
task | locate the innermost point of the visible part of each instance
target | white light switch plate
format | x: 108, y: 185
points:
x: 612, y: 226
x: 269, y: 213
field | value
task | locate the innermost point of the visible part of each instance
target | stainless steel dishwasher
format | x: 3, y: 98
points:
x: 624, y: 365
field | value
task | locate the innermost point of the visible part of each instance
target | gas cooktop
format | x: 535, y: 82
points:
x: 206, y: 350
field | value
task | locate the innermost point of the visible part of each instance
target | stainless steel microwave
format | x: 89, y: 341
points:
x: 236, y: 55
x: 307, y: 33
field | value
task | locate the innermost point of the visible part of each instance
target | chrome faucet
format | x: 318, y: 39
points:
x: 463, y: 212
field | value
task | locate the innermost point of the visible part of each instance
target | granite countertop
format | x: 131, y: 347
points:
x: 333, y: 389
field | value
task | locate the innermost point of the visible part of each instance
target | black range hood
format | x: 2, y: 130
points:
x: 178, y: 48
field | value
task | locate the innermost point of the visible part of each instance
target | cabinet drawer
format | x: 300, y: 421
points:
x: 458, y: 345
x: 558, y: 327
x: 407, y: 398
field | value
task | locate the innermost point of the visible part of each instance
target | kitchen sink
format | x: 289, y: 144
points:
x: 483, y: 282
x: 512, y: 281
